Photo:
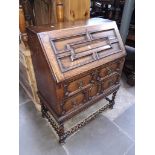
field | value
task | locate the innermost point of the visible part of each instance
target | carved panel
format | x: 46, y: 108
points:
x: 73, y: 102
x: 93, y: 91
x: 79, y: 84
x: 83, y: 48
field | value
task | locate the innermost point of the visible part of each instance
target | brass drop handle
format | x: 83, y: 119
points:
x: 80, y: 84
x: 66, y: 93
x: 90, y: 88
x: 109, y: 70
x: 117, y: 69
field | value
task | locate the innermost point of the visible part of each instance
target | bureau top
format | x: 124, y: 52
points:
x: 72, y: 48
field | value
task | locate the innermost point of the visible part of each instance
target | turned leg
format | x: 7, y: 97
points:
x: 59, y: 129
x: 61, y: 134
x: 112, y: 101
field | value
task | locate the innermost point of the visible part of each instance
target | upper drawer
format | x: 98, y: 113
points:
x: 73, y: 102
x: 115, y: 66
x: 79, y: 83
x: 110, y: 82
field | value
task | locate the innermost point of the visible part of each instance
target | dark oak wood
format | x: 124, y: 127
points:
x: 76, y: 64
x: 28, y: 11
x: 45, y: 12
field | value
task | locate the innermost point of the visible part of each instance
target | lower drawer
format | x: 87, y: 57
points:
x: 73, y: 102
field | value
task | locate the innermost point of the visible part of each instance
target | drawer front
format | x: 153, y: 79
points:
x: 110, y: 81
x: 113, y: 67
x: 78, y: 84
x: 88, y: 87
x: 96, y: 88
x: 73, y: 102
x: 88, y: 81
x: 93, y: 91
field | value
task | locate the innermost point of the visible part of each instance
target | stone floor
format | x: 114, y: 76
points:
x: 112, y: 133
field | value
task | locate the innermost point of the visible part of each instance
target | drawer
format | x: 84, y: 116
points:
x: 93, y: 90
x: 78, y: 84
x: 74, y: 102
x: 110, y: 81
x: 113, y: 67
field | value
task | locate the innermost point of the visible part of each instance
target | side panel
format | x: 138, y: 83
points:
x: 45, y: 81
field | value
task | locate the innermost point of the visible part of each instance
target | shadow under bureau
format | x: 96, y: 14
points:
x: 76, y: 64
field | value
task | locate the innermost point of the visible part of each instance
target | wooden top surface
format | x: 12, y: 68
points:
x: 75, y: 47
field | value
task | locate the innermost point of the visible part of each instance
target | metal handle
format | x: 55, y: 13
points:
x: 109, y: 70
x: 80, y: 84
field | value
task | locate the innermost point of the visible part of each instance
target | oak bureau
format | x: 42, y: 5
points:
x: 76, y: 64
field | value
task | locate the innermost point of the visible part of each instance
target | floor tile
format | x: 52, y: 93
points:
x: 126, y: 121
x: 23, y: 97
x: 36, y: 137
x: 125, y: 97
x: 99, y: 137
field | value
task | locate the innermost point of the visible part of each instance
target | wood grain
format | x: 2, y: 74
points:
x: 77, y: 9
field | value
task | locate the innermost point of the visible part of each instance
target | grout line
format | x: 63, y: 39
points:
x: 66, y: 150
x: 120, y: 113
x: 125, y: 153
x: 25, y: 102
x: 121, y: 129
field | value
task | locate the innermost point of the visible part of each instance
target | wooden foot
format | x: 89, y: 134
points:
x: 112, y: 101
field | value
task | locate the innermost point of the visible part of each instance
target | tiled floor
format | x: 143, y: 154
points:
x: 112, y: 133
